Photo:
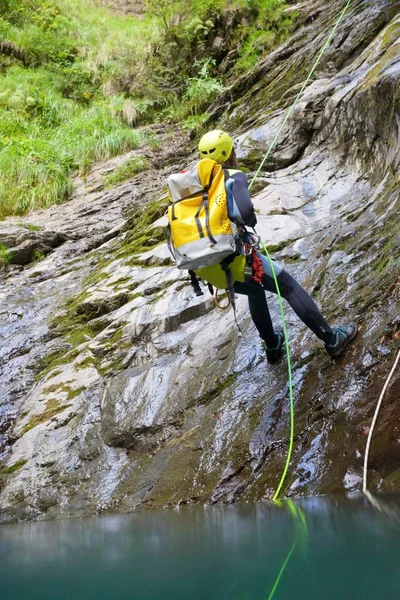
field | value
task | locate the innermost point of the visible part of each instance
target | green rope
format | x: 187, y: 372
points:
x: 311, y: 73
x: 290, y: 450
x: 289, y: 456
x: 301, y: 536
x: 282, y: 570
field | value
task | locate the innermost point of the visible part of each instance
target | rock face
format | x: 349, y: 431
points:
x: 120, y: 388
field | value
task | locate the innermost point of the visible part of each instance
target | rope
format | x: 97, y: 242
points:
x: 291, y: 401
x: 311, y: 73
x: 282, y: 570
x: 374, y: 421
x: 323, y: 49
x: 301, y: 536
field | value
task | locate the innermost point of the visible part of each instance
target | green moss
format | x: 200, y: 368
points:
x: 13, y: 468
x: 143, y: 239
x: 272, y: 248
x: 117, y: 335
x: 373, y: 75
x: 142, y: 235
x: 220, y: 384
x: 73, y: 393
x: 123, y: 282
x: 38, y: 256
x: 129, y: 169
x: 78, y: 336
x: 294, y: 258
x: 59, y: 357
x: 57, y: 387
x: 97, y: 274
x: 252, y: 160
x: 391, y: 34
x: 64, y: 387
x: 112, y: 367
x: 89, y: 361
x: 157, y: 297
x: 53, y: 407
x: 72, y: 324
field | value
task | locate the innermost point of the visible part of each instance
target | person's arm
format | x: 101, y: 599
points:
x: 240, y: 206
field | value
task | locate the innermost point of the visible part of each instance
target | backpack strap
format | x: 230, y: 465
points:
x: 169, y: 243
x: 229, y: 282
x: 204, y: 203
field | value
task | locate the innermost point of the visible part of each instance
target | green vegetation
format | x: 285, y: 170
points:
x: 75, y: 78
x: 37, y: 256
x: 142, y: 235
x: 212, y: 41
x: 5, y: 256
x: 126, y: 171
x: 86, y: 363
x: 54, y: 359
x: 53, y: 407
x: 31, y: 226
x: 56, y: 60
x: 13, y: 468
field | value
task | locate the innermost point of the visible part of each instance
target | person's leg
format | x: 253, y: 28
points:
x: 337, y: 338
x: 259, y: 311
x: 302, y: 304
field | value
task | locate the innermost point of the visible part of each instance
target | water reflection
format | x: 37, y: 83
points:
x: 342, y: 548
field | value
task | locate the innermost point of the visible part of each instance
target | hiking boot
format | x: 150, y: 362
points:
x: 344, y: 335
x: 274, y: 354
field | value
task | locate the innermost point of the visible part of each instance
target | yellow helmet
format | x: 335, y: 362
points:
x: 217, y: 145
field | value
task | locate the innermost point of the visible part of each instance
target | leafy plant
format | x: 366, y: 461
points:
x: 154, y: 142
x: 5, y: 256
x: 203, y: 88
x: 38, y: 255
x: 75, y: 78
x: 55, y: 118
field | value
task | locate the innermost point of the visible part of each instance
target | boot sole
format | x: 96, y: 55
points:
x: 339, y: 353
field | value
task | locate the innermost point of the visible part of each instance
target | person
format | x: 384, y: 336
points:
x: 219, y: 146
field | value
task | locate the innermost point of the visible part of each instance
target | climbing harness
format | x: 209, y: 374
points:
x: 291, y: 109
x: 378, y: 406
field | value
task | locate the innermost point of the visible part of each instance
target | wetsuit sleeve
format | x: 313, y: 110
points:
x: 240, y: 206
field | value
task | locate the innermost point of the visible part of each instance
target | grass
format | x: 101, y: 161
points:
x: 56, y: 120
x: 31, y: 226
x: 126, y: 171
x: 5, y: 256
x: 37, y: 163
x: 75, y: 79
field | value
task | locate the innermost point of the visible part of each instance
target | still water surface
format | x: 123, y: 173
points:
x: 341, y: 549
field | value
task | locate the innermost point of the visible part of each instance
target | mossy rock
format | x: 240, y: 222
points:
x: 13, y: 468
x: 53, y: 407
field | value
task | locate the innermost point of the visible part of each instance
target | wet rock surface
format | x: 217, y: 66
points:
x: 122, y: 389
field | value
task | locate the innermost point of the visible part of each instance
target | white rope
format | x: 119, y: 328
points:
x: 374, y: 421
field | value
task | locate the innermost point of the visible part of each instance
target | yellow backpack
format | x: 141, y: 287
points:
x: 200, y: 232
